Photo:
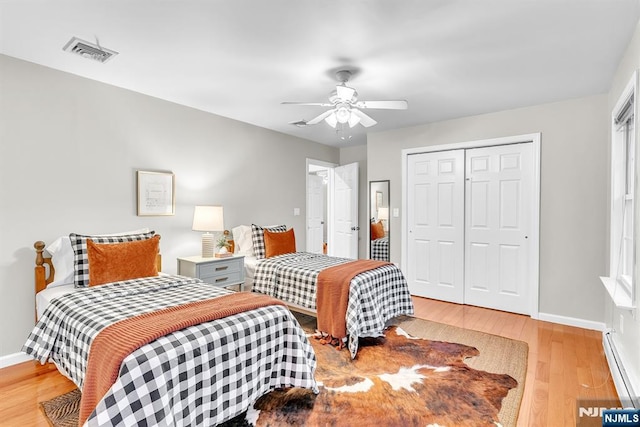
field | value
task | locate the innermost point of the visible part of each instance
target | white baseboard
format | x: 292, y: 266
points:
x: 572, y: 321
x: 14, y: 359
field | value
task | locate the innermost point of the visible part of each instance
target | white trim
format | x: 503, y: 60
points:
x: 535, y: 138
x: 572, y: 321
x: 627, y: 301
x: 618, y: 293
x: 14, y: 359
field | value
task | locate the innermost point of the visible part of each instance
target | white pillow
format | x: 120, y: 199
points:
x: 242, y: 240
x: 62, y: 256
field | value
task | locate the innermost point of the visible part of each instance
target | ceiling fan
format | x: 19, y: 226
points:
x: 345, y: 107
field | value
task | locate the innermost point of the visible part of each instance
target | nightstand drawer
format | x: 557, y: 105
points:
x: 216, y: 271
x: 226, y: 279
x: 225, y: 267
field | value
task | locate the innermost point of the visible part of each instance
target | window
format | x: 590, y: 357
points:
x: 623, y: 176
x: 626, y: 261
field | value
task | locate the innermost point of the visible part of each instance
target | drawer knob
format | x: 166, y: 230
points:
x: 222, y: 268
x: 221, y: 279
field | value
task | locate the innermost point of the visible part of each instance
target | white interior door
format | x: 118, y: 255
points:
x: 435, y: 210
x: 344, y: 230
x: 499, y: 188
x: 315, y: 213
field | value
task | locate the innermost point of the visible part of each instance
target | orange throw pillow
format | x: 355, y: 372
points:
x: 112, y: 262
x: 278, y: 243
x: 377, y: 230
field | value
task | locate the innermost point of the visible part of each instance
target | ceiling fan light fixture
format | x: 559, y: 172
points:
x: 343, y: 114
x: 332, y: 120
x: 353, y: 120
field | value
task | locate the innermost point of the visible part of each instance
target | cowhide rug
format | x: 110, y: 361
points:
x: 397, y: 380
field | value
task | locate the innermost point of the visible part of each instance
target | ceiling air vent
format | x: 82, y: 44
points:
x: 89, y: 50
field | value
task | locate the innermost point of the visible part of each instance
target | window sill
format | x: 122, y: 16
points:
x: 618, y: 294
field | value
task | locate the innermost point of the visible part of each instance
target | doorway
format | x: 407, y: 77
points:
x: 472, y: 221
x: 332, y: 209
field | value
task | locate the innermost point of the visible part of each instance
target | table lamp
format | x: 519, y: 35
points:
x: 208, y: 219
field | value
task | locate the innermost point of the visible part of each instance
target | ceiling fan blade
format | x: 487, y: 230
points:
x: 345, y: 93
x: 320, y: 118
x: 319, y: 104
x: 365, y: 120
x: 384, y: 105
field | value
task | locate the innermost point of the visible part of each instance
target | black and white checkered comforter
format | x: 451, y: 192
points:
x: 202, y: 375
x: 375, y: 296
x: 380, y: 249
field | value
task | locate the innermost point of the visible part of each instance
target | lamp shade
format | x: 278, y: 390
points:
x: 208, y: 218
x: 383, y: 213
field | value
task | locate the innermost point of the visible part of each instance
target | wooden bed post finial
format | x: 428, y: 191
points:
x: 43, y: 278
x: 39, y: 245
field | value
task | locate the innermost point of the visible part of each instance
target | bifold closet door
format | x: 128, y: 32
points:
x: 435, y: 211
x: 499, y: 188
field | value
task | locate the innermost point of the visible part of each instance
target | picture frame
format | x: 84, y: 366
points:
x: 155, y: 193
x: 378, y: 199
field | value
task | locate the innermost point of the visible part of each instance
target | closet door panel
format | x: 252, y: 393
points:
x: 435, y: 214
x: 499, y: 182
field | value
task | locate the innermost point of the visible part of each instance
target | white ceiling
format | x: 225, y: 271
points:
x: 242, y: 58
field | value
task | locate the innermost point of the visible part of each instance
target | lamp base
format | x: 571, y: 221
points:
x: 207, y: 245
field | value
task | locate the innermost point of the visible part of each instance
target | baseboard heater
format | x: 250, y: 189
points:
x: 627, y: 396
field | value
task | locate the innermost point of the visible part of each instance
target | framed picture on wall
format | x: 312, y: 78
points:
x: 378, y: 199
x: 156, y: 195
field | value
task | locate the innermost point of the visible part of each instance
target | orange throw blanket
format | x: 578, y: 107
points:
x: 115, y: 342
x: 332, y: 295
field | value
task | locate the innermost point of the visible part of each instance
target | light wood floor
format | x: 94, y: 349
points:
x: 565, y: 364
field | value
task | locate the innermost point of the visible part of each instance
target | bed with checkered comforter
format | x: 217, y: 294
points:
x: 375, y: 296
x: 202, y: 375
x: 380, y: 249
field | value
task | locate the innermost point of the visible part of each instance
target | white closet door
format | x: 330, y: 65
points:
x: 499, y: 185
x: 436, y: 225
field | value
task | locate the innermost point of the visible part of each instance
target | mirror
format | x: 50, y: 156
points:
x: 379, y: 217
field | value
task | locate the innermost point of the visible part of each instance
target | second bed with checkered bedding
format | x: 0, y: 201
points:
x: 375, y: 296
x: 202, y: 375
x: 380, y: 249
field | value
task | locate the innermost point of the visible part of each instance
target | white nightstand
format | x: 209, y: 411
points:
x: 217, y: 271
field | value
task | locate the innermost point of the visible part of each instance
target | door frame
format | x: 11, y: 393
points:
x: 534, y: 138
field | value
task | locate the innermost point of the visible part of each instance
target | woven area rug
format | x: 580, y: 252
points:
x: 486, y: 357
x: 62, y: 411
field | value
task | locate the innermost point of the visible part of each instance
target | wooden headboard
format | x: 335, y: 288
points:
x: 45, y: 272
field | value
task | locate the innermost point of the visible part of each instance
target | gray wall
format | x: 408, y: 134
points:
x: 69, y: 149
x: 627, y: 338
x: 574, y: 182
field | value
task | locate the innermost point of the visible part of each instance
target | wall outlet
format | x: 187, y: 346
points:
x: 621, y: 324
